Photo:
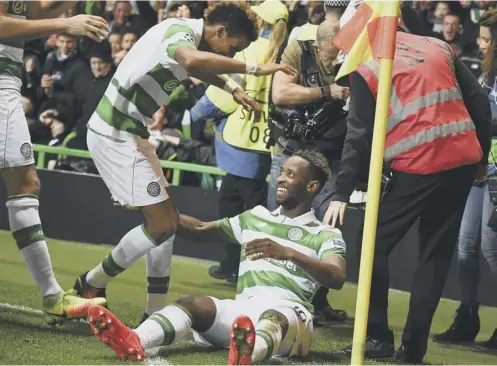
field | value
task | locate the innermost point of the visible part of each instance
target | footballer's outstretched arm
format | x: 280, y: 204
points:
x: 193, y: 229
x: 48, y: 9
x: 212, y: 79
x: 193, y: 60
x: 230, y: 87
x: 15, y: 28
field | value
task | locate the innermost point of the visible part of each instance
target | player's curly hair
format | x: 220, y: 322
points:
x: 320, y: 169
x: 236, y: 16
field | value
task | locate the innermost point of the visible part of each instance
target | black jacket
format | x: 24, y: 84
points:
x: 88, y: 92
x: 63, y: 73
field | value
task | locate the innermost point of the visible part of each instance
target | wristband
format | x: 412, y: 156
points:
x: 230, y: 86
x: 251, y: 68
x: 327, y: 93
x: 324, y: 96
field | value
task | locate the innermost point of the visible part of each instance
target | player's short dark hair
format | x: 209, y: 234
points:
x: 319, y: 166
x: 237, y: 17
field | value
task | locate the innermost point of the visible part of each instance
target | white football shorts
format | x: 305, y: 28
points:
x: 297, y: 341
x: 127, y: 164
x: 15, y: 143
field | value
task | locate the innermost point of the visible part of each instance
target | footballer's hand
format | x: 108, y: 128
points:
x: 270, y: 69
x: 243, y: 99
x: 266, y: 248
x: 91, y: 26
x: 158, y: 119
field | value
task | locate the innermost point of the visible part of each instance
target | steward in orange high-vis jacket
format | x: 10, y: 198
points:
x: 437, y: 144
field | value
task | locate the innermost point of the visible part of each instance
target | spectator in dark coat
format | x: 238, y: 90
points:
x: 89, y: 88
x: 60, y: 68
x: 122, y: 17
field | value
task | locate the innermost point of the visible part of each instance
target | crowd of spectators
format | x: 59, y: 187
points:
x: 64, y: 77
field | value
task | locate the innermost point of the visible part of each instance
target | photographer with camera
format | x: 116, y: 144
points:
x: 480, y: 214
x: 307, y: 111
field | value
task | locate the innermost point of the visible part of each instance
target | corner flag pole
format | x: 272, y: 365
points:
x: 371, y: 215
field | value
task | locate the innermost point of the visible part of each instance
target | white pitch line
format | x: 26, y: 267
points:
x: 20, y: 308
x: 151, y: 357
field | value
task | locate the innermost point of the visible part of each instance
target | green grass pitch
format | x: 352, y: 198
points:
x: 26, y: 339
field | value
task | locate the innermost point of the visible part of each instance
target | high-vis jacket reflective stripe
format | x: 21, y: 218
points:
x: 426, y: 136
x: 429, y: 128
x: 400, y: 112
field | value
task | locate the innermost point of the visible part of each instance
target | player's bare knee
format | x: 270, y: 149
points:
x: 21, y: 180
x: 161, y: 221
x: 202, y: 310
x: 276, y: 317
x: 197, y: 304
x: 166, y: 228
x: 190, y: 303
x: 33, y: 185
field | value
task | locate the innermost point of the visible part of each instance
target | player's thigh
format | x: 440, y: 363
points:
x: 15, y: 142
x: 132, y: 174
x: 21, y: 180
x: 149, y: 182
x: 227, y: 311
x: 298, y: 338
x: 114, y: 159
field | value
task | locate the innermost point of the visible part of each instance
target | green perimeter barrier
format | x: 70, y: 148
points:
x: 176, y: 167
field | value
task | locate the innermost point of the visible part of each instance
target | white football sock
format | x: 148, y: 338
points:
x: 25, y: 225
x: 134, y: 245
x: 268, y: 336
x: 158, y: 262
x: 165, y: 327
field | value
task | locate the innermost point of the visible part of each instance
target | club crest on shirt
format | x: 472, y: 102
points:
x: 295, y: 234
x: 153, y: 189
x: 26, y: 150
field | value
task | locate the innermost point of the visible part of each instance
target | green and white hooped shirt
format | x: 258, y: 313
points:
x: 269, y: 278
x: 12, y: 51
x: 147, y: 76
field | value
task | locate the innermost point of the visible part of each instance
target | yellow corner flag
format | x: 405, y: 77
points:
x: 370, y: 34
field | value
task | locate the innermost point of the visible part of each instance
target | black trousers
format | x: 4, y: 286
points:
x: 438, y: 202
x: 237, y: 195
